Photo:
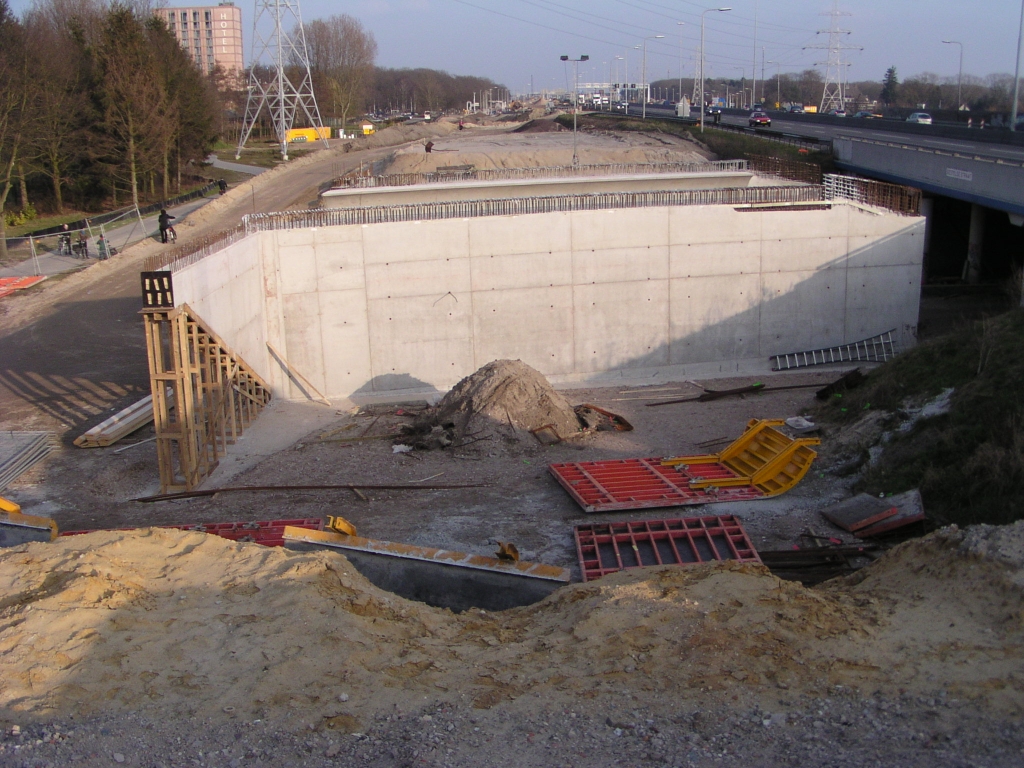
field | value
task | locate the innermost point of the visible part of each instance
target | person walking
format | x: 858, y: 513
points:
x: 164, y: 219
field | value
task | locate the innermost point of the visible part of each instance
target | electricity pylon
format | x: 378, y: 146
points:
x: 279, y: 42
x: 833, y: 95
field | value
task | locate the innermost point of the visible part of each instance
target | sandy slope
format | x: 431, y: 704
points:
x: 190, y: 623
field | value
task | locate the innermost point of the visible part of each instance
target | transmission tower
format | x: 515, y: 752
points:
x: 833, y: 96
x: 279, y: 42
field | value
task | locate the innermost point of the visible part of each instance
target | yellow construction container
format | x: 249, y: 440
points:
x: 368, y: 129
x: 307, y: 134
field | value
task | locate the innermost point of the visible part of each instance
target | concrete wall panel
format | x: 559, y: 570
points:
x: 339, y: 266
x: 345, y: 332
x: 513, y: 235
x: 890, y: 249
x: 303, y: 342
x: 802, y: 310
x: 803, y: 253
x: 631, y: 229
x: 420, y: 339
x: 416, y: 241
x: 297, y: 267
x: 617, y: 265
x: 433, y: 278
x: 723, y: 258
x: 883, y: 296
x: 534, y: 325
x: 714, y: 318
x: 526, y: 270
x: 713, y: 224
x: 621, y: 325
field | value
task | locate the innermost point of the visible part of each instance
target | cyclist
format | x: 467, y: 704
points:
x: 164, y: 219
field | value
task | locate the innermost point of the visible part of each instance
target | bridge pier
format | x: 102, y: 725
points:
x: 975, y: 243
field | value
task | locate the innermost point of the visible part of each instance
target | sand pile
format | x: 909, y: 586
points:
x: 187, y: 623
x: 506, y: 394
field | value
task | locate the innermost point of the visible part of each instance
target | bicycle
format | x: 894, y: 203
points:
x: 64, y: 244
x: 172, y: 236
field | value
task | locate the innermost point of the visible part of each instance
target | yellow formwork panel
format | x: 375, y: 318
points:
x: 762, y: 456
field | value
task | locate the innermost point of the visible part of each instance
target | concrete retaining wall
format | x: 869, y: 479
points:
x: 684, y: 291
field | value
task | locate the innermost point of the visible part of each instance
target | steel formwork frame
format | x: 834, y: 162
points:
x: 204, y: 396
x: 610, y: 547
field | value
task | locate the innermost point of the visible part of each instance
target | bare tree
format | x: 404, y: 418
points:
x: 14, y: 103
x: 135, y: 108
x: 341, y: 57
x: 61, y: 105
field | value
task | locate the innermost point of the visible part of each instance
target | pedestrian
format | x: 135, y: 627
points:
x: 428, y: 146
x: 101, y: 248
x: 461, y: 125
x: 164, y: 219
x: 223, y: 185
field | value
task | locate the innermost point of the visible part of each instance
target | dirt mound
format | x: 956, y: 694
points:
x: 177, y: 622
x: 504, y: 393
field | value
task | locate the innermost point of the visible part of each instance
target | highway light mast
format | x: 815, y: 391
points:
x: 278, y: 42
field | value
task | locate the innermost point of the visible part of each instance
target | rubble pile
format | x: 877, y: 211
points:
x: 504, y: 394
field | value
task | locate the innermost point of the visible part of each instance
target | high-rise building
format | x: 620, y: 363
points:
x: 210, y: 34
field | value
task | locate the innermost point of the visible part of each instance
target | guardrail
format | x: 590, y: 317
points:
x: 558, y: 172
x: 335, y: 217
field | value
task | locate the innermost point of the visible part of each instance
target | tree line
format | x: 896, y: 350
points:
x: 98, y: 104
x: 986, y: 95
x: 347, y: 81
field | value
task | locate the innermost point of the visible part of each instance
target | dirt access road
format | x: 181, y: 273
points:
x: 73, y: 350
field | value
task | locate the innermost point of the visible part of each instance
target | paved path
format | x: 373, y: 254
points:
x: 216, y: 162
x: 127, y: 232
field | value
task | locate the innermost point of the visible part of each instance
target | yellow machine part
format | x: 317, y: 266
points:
x: 10, y: 513
x: 762, y: 456
x: 340, y: 525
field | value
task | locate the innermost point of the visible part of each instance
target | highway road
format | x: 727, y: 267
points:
x: 873, y: 130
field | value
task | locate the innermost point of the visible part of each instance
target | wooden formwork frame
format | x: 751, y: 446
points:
x: 214, y: 394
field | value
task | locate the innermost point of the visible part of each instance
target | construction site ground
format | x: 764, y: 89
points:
x: 171, y: 648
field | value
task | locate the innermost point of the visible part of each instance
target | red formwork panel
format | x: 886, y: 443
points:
x: 609, y: 547
x: 616, y: 484
x: 269, y: 533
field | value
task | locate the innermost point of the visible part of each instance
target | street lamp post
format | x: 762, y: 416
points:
x: 778, y: 83
x: 960, y: 77
x: 626, y: 81
x: 679, y: 96
x: 1016, y: 78
x: 575, y: 100
x: 643, y: 74
x: 709, y: 10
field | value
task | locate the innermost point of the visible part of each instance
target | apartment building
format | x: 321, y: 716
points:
x: 212, y: 34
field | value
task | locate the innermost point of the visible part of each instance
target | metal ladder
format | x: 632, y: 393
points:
x: 875, y: 349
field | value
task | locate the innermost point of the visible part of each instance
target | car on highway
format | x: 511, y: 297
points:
x: 921, y: 118
x: 867, y: 115
x: 758, y: 119
x: 713, y: 110
x: 796, y: 109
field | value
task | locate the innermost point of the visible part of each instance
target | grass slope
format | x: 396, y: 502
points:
x: 968, y: 463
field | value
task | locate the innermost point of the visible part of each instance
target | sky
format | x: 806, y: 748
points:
x: 518, y: 42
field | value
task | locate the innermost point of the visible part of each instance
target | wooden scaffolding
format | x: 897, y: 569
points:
x: 204, y: 396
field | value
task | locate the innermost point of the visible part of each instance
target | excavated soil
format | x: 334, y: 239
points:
x: 179, y: 626
x: 503, y: 393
